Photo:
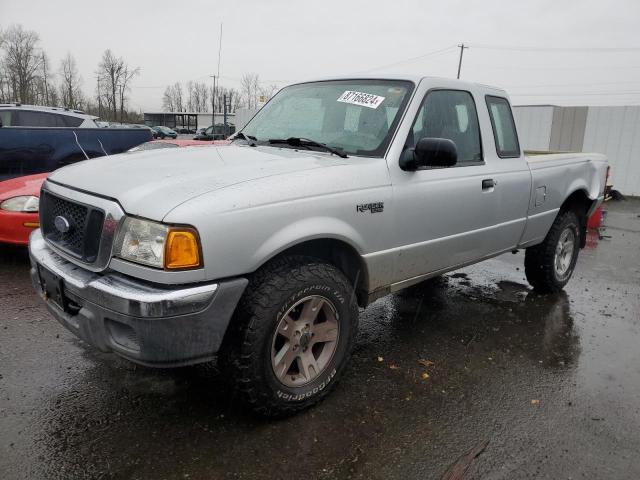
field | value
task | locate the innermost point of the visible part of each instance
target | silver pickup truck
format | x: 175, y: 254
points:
x: 336, y: 193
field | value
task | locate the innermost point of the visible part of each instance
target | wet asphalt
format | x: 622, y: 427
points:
x: 552, y: 383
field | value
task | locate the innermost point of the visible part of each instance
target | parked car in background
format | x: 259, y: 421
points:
x: 216, y: 133
x: 18, y: 115
x: 159, y: 144
x: 142, y: 126
x: 164, y: 132
x: 336, y: 193
x: 30, y: 150
x: 185, y: 130
x: 19, y: 199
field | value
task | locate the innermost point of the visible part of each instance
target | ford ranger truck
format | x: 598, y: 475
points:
x: 336, y: 193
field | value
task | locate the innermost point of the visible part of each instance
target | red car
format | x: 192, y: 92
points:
x: 19, y: 197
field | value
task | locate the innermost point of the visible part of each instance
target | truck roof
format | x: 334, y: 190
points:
x: 410, y: 77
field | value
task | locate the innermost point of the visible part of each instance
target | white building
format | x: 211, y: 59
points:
x: 193, y: 120
x: 614, y: 131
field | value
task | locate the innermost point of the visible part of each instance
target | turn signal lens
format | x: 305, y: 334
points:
x: 182, y: 249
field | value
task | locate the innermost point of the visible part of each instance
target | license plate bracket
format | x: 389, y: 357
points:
x: 52, y: 287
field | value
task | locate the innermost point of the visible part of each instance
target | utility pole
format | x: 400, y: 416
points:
x: 213, y: 99
x: 121, y: 102
x: 46, y: 88
x: 462, y: 47
x: 213, y: 103
x: 99, y: 98
x: 225, y: 115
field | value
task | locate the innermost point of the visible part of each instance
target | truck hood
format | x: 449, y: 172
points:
x: 151, y: 183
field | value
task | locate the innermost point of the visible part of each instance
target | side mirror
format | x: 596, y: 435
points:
x: 430, y: 152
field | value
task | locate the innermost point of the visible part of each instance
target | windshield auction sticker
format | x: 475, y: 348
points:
x: 362, y: 99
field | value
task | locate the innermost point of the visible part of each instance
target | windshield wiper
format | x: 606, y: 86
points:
x: 306, y: 142
x: 251, y: 140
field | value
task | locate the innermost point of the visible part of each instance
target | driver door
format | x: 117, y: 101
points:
x: 441, y: 212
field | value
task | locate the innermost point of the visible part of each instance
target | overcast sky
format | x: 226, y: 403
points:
x: 286, y: 40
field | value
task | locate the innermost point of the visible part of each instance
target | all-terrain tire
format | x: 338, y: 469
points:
x: 540, y: 265
x: 246, y: 357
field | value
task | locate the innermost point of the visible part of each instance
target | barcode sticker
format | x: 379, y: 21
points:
x: 362, y: 99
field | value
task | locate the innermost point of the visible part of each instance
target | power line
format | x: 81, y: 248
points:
x: 573, y: 85
x: 261, y: 81
x: 558, y: 49
x: 412, y: 59
x: 556, y: 67
x: 565, y: 94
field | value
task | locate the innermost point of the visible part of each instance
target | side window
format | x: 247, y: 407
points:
x: 27, y: 118
x: 504, y: 128
x: 449, y: 114
x: 5, y: 118
x: 69, y: 121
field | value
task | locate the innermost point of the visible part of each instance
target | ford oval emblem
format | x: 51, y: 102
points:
x: 62, y: 224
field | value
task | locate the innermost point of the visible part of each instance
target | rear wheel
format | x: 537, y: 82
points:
x: 549, y: 265
x: 292, y: 335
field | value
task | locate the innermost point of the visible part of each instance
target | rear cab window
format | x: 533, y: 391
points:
x: 504, y: 127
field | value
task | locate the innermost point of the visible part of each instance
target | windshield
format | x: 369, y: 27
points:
x: 355, y: 116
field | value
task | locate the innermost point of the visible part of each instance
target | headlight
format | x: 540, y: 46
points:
x: 24, y: 203
x: 158, y: 245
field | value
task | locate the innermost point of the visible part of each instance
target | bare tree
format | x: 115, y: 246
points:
x: 54, y: 97
x: 114, y: 76
x: 250, y: 83
x: 232, y: 97
x: 127, y: 76
x: 177, y: 92
x: 268, y: 91
x: 47, y: 83
x: 202, y: 92
x: 110, y: 70
x: 71, y: 82
x: 5, y: 91
x: 172, y: 98
x: 191, y: 107
x: 198, y: 95
x: 22, y: 62
x: 168, y: 102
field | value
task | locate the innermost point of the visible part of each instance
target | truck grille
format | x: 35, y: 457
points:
x: 79, y: 229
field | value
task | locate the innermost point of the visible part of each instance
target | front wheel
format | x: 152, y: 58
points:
x: 292, y: 335
x: 549, y: 265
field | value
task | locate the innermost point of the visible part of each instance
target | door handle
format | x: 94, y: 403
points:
x: 488, y: 183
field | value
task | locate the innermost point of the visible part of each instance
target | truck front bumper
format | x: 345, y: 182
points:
x: 150, y: 324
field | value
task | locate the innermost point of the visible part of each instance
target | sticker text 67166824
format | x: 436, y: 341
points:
x: 363, y: 99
